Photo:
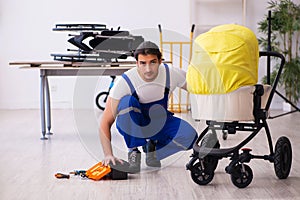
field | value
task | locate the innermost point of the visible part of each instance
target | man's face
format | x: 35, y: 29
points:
x: 147, y: 66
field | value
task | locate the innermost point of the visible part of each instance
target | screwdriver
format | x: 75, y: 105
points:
x: 60, y: 175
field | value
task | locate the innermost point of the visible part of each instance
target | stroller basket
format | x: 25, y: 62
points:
x: 226, y: 118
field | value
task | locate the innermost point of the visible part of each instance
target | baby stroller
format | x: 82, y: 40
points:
x: 222, y: 79
x: 96, y: 43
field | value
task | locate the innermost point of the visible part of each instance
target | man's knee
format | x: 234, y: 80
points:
x: 128, y: 101
x: 129, y: 117
x: 193, y: 140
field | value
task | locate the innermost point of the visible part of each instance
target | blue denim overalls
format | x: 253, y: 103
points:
x: 138, y: 122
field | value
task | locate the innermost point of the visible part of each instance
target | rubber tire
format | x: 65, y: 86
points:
x: 100, y: 99
x: 283, y: 157
x: 205, y: 176
x: 224, y: 134
x: 210, y: 140
x: 240, y: 180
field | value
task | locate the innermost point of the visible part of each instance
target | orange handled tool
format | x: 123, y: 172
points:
x: 60, y: 175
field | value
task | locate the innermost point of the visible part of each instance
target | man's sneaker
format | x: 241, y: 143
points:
x: 151, y: 159
x: 134, y: 159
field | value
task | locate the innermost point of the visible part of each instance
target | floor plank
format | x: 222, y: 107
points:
x: 28, y: 164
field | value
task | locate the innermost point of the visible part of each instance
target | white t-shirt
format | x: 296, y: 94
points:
x: 148, y: 91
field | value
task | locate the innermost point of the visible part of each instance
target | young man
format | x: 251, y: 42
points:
x: 138, y: 102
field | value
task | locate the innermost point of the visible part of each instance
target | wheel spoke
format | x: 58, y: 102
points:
x: 242, y: 179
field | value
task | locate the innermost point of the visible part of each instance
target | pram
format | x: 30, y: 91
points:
x: 222, y: 80
x: 96, y: 43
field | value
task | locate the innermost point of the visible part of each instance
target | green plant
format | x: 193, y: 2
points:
x: 285, y: 36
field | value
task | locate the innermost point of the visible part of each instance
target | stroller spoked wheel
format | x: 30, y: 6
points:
x: 210, y: 141
x: 241, y: 176
x: 224, y: 134
x: 211, y: 162
x: 283, y: 157
x: 201, y: 175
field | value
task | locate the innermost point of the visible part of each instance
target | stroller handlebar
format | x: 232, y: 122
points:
x: 276, y: 81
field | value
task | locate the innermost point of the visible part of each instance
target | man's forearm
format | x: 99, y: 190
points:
x: 106, y: 142
x: 105, y: 126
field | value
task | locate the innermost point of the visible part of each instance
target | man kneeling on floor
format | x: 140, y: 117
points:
x: 138, y: 102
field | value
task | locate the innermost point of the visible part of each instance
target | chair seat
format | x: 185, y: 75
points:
x: 233, y: 106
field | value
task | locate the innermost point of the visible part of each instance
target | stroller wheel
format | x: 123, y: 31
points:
x: 225, y: 134
x: 201, y: 176
x: 241, y: 176
x: 283, y: 157
x: 210, y: 141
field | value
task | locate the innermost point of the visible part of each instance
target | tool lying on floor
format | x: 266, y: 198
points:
x: 60, y: 175
x: 99, y: 171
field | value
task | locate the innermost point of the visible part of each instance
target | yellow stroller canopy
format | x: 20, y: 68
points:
x: 224, y: 59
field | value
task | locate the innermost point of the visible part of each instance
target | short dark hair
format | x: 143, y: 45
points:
x: 146, y: 48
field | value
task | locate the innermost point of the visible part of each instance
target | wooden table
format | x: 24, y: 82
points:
x: 58, y: 68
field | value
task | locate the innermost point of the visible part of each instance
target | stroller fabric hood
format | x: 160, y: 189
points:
x: 224, y: 59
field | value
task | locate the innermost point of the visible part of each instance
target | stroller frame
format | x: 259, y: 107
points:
x: 207, y: 151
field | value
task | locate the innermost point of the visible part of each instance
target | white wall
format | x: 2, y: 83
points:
x: 26, y: 35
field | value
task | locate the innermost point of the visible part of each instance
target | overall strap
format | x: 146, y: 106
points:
x: 133, y: 93
x: 167, y: 87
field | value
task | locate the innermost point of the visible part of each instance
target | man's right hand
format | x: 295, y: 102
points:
x: 111, y: 159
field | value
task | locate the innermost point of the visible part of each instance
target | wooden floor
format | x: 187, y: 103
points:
x: 28, y: 164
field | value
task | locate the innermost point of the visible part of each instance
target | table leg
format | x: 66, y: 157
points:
x: 48, y: 108
x: 42, y: 103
